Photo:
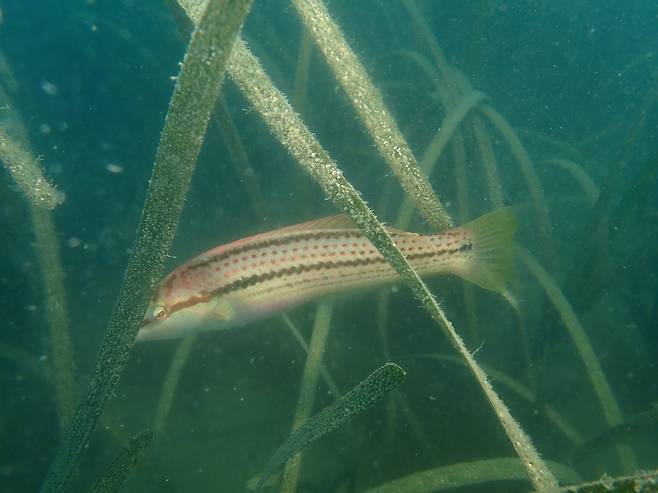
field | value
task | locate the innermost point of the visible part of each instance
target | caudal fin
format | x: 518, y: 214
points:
x: 489, y: 263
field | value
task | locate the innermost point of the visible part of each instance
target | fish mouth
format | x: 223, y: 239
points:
x: 147, y: 330
x: 143, y: 335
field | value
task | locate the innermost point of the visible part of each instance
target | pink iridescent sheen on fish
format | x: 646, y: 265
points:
x: 264, y: 275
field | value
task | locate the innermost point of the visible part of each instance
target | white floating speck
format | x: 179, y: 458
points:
x: 48, y: 87
x: 73, y: 242
x: 114, y: 168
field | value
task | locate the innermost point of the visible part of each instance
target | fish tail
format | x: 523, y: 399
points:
x: 489, y: 258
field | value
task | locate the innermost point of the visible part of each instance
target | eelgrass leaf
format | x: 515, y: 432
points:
x: 639, y: 424
x: 192, y: 103
x: 644, y: 482
x: 27, y: 172
x: 124, y: 463
x: 371, y: 390
x: 456, y: 477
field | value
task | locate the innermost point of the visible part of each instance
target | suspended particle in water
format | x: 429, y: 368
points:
x: 73, y: 242
x: 49, y: 88
x: 114, y: 168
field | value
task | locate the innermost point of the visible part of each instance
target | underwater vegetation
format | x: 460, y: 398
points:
x: 412, y: 115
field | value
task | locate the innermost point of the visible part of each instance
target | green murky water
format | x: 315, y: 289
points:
x: 564, y: 133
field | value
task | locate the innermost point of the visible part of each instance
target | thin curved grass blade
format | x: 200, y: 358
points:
x: 371, y: 390
x: 124, y: 463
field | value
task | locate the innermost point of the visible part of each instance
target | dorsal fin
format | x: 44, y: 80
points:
x: 338, y: 221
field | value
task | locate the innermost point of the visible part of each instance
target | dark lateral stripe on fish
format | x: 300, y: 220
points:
x: 302, y: 284
x: 286, y: 240
x: 259, y: 278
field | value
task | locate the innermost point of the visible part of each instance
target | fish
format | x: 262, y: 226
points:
x: 260, y: 276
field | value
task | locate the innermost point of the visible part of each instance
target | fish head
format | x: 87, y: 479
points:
x: 163, y: 321
x: 172, y: 321
x: 176, y: 311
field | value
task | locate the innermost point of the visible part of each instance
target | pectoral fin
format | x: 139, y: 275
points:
x: 223, y: 310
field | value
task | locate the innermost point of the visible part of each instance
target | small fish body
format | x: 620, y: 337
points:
x: 263, y: 275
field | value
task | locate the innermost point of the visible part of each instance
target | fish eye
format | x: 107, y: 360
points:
x: 159, y: 313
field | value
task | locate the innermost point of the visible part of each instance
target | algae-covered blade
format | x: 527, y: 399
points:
x: 368, y: 392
